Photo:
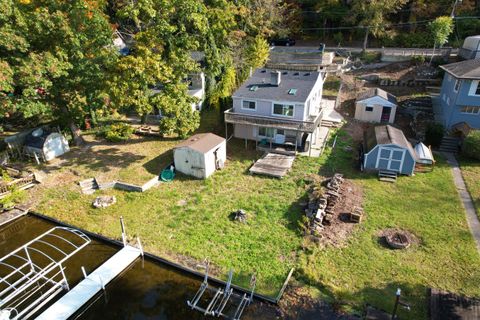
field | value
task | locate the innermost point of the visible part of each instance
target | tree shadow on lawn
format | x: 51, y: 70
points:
x: 160, y: 162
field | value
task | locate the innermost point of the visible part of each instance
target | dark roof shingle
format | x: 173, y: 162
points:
x: 377, y: 92
x: 302, y: 81
x: 386, y: 134
x: 468, y: 69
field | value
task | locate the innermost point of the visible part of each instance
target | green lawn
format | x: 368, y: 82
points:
x: 361, y: 271
x: 471, y: 174
x: 331, y: 86
x: 366, y: 271
x: 267, y: 244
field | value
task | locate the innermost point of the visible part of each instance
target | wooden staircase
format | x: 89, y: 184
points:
x: 88, y: 186
x: 449, y: 144
x: 330, y: 124
x: 387, y: 176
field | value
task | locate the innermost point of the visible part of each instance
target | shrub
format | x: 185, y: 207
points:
x: 418, y: 59
x: 118, y: 132
x: 434, y: 134
x: 15, y: 196
x: 471, y: 145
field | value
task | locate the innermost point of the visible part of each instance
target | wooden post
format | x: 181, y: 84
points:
x: 296, y: 141
x: 226, y: 133
x: 246, y: 144
x: 311, y: 144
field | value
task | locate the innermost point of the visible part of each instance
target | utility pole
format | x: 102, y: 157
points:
x: 457, y: 2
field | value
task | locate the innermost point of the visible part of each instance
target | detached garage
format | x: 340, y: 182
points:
x: 200, y: 155
x: 385, y: 148
x: 376, y: 105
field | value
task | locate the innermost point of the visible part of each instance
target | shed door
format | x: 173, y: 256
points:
x: 390, y: 159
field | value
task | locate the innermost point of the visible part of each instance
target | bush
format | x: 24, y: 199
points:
x: 15, y: 196
x: 418, y: 59
x: 118, y: 132
x: 434, y: 134
x: 471, y: 145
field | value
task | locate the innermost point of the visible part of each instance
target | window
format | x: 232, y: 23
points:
x: 250, y: 105
x: 265, y: 132
x: 477, y: 92
x: 283, y: 110
x: 282, y: 132
x: 369, y: 109
x: 292, y: 92
x: 474, y: 88
x: 470, y: 110
x: 457, y: 85
x: 253, y: 88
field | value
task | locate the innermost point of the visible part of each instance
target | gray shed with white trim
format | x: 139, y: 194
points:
x: 386, y: 148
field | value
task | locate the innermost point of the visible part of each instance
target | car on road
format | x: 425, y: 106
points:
x: 282, y: 42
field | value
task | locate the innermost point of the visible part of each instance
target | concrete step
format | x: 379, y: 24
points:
x: 387, y: 176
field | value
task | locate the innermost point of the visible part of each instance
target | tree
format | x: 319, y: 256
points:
x: 53, y: 55
x: 373, y: 15
x: 440, y: 29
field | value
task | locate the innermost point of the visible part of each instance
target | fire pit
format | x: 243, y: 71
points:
x: 397, y: 239
x: 104, y: 201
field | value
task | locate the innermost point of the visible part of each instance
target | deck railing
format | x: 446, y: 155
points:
x: 271, y: 122
x: 16, y: 184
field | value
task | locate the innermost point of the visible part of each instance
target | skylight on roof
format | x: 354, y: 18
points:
x: 253, y: 88
x: 292, y: 92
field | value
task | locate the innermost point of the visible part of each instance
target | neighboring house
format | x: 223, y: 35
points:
x: 470, y: 48
x: 376, y: 105
x: 200, y: 155
x: 460, y: 94
x: 385, y: 148
x: 278, y: 106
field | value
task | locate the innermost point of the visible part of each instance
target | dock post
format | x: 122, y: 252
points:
x: 124, y: 235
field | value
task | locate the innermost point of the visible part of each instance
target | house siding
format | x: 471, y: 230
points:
x: 265, y: 108
x: 452, y: 102
x: 370, y: 161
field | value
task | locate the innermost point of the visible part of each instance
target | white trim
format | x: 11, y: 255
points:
x: 284, y: 104
x: 473, y: 88
x: 470, y: 113
x: 390, y: 159
x: 254, y: 101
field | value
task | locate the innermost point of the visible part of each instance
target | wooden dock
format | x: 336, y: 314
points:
x: 273, y: 164
x: 76, y: 298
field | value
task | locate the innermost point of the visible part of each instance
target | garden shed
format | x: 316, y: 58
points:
x: 200, y: 155
x: 45, y: 145
x: 376, y: 105
x: 385, y: 148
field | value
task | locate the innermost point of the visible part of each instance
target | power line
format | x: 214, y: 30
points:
x: 422, y: 22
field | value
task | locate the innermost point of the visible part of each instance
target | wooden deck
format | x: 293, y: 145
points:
x: 273, y: 164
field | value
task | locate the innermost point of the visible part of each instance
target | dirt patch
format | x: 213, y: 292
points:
x: 339, y: 228
x: 402, y: 239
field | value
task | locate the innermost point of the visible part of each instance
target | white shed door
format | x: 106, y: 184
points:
x: 390, y: 159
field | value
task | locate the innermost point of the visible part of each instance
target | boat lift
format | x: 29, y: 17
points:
x: 33, y: 274
x: 222, y: 297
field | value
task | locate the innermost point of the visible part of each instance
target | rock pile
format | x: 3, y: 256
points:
x: 320, y: 208
x: 104, y: 201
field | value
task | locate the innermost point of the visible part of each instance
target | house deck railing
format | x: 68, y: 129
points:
x: 309, y: 125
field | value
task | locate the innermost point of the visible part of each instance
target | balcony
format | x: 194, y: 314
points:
x: 308, y: 125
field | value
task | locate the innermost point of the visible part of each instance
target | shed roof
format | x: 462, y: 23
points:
x: 201, y: 142
x: 302, y: 81
x: 386, y: 134
x: 37, y: 138
x: 373, y: 92
x: 423, y: 152
x: 468, y: 69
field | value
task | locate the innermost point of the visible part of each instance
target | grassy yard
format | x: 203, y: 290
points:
x: 366, y: 271
x: 201, y: 228
x: 471, y: 174
x: 331, y: 86
x: 188, y: 220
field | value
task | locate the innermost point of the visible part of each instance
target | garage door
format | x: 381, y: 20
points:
x: 390, y: 159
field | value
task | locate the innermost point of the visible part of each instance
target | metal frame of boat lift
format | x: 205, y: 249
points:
x: 37, y: 277
x: 221, y: 297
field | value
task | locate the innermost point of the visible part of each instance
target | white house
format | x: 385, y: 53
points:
x: 200, y: 155
x: 376, y: 105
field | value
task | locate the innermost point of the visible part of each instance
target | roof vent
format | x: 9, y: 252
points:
x: 292, y: 92
x: 296, y: 74
x: 263, y: 71
x: 275, y: 78
x: 307, y: 74
x: 284, y: 72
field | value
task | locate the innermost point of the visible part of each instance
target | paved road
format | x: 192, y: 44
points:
x: 472, y: 218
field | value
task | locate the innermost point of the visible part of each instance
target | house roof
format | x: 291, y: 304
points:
x: 373, y: 92
x: 202, y: 142
x: 386, y: 134
x: 468, y: 69
x: 302, y: 81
